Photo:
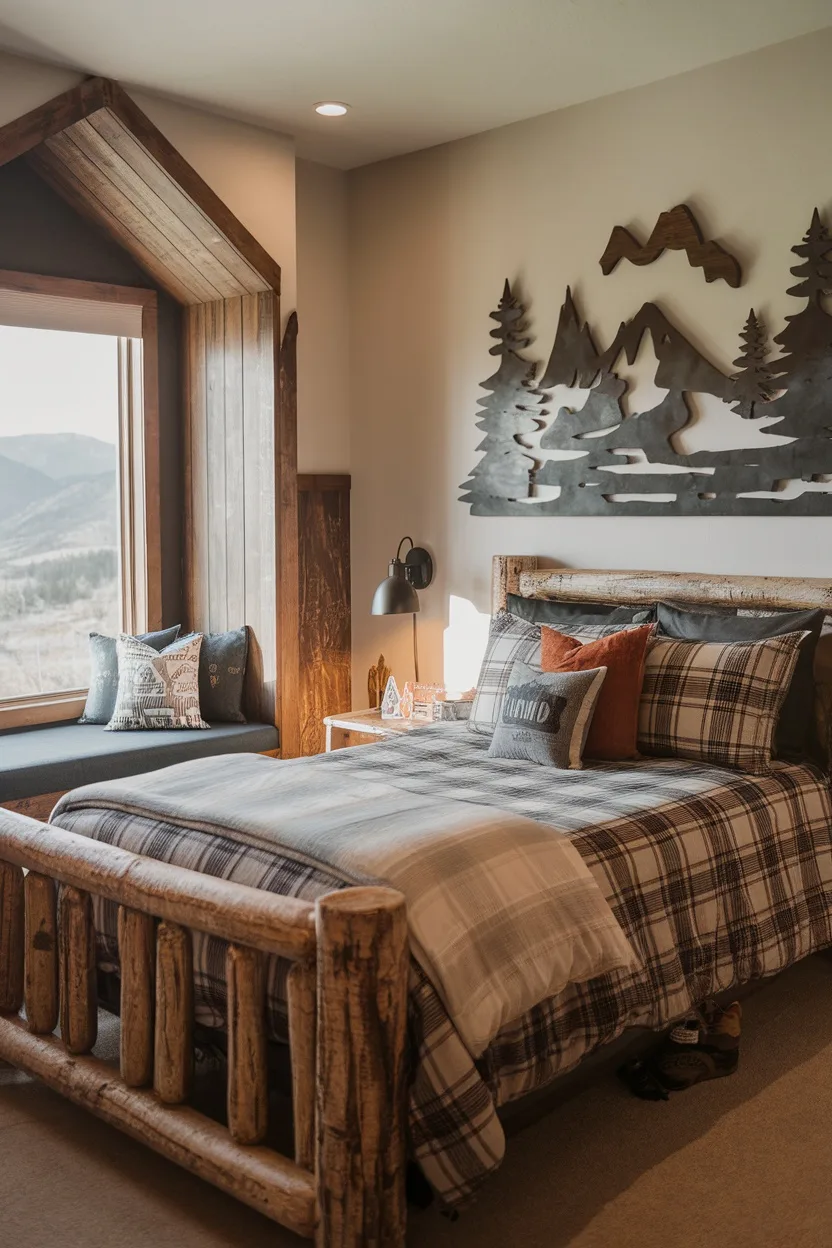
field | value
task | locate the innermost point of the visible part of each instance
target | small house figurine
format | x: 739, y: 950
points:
x: 391, y: 703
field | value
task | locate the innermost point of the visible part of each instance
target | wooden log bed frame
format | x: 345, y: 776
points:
x: 347, y: 995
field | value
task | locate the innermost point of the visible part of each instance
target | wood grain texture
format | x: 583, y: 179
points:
x: 232, y: 530
x: 75, y: 288
x: 33, y: 128
x: 325, y: 617
x: 173, y: 1056
x: 39, y: 807
x: 286, y: 518
x: 361, y: 1091
x: 137, y: 963
x: 248, y: 1076
x: 633, y: 588
x: 100, y: 151
x: 272, y: 1184
x: 41, y: 995
x: 303, y: 1017
x: 249, y: 916
x: 505, y: 577
x: 76, y: 945
x: 675, y: 230
x: 11, y: 938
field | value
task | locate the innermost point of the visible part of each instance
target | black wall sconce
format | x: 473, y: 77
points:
x: 396, y: 595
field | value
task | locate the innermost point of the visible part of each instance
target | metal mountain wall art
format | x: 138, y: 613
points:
x: 597, y: 459
x: 676, y: 230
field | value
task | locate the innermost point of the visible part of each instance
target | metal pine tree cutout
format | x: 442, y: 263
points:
x: 510, y: 410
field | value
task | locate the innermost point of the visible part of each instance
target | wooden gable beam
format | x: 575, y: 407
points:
x: 27, y: 132
x: 101, y: 153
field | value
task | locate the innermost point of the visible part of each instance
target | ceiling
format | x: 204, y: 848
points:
x: 416, y: 72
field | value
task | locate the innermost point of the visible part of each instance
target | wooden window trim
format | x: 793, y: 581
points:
x: 139, y: 502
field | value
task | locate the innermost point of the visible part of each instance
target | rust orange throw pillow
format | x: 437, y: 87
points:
x: 614, y: 728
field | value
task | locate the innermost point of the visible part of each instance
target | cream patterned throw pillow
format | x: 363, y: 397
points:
x: 157, y: 690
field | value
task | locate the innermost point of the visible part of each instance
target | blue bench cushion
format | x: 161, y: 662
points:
x: 64, y: 756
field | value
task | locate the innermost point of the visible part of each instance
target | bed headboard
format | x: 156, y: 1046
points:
x: 520, y: 574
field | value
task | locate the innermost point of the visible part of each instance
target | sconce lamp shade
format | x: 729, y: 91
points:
x: 395, y: 595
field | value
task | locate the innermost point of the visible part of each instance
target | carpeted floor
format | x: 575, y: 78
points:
x: 743, y: 1162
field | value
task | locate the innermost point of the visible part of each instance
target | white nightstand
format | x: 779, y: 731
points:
x: 364, y: 724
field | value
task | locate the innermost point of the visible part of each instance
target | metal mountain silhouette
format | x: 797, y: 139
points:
x: 585, y: 443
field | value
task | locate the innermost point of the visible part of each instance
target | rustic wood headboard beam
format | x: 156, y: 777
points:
x: 505, y: 577
x: 631, y: 588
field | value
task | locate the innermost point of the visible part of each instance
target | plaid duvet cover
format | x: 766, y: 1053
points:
x: 715, y: 877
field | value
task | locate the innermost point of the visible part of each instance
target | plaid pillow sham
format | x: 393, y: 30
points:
x: 715, y: 702
x: 509, y: 639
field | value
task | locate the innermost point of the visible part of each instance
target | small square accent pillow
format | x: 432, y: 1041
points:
x: 545, y: 716
x: 101, y: 699
x: 157, y: 690
x: 715, y: 702
x: 613, y: 732
x: 222, y: 673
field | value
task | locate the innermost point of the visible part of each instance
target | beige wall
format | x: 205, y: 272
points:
x: 323, y: 319
x: 434, y: 235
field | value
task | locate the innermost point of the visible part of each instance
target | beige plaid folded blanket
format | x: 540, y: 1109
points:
x: 503, y: 913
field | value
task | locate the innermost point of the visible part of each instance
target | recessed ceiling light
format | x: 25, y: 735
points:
x: 331, y: 109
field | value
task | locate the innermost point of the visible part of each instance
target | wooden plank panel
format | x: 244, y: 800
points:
x: 286, y: 535
x: 150, y: 509
x: 240, y: 276
x: 215, y: 450
x: 196, y: 469
x: 132, y: 189
x: 138, y: 231
x: 186, y: 177
x: 56, y: 175
x: 258, y: 329
x: 325, y: 627
x: 235, y: 436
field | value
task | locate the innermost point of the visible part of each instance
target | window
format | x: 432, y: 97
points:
x: 77, y: 401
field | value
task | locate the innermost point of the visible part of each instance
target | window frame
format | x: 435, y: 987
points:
x: 140, y: 555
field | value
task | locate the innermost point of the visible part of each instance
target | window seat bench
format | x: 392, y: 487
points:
x: 38, y: 765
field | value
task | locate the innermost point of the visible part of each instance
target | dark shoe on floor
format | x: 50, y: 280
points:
x: 704, y: 1046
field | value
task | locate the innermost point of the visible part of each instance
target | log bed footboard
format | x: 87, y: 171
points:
x: 347, y: 1005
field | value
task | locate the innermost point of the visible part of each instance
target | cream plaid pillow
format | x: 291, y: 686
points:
x: 716, y: 702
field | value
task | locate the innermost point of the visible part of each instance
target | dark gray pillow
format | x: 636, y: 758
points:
x: 101, y: 699
x: 547, y: 611
x: 795, y: 735
x: 545, y: 716
x: 222, y: 673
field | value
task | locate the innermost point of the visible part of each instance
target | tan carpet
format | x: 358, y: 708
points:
x: 744, y: 1162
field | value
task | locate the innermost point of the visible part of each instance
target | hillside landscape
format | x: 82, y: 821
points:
x: 58, y: 558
